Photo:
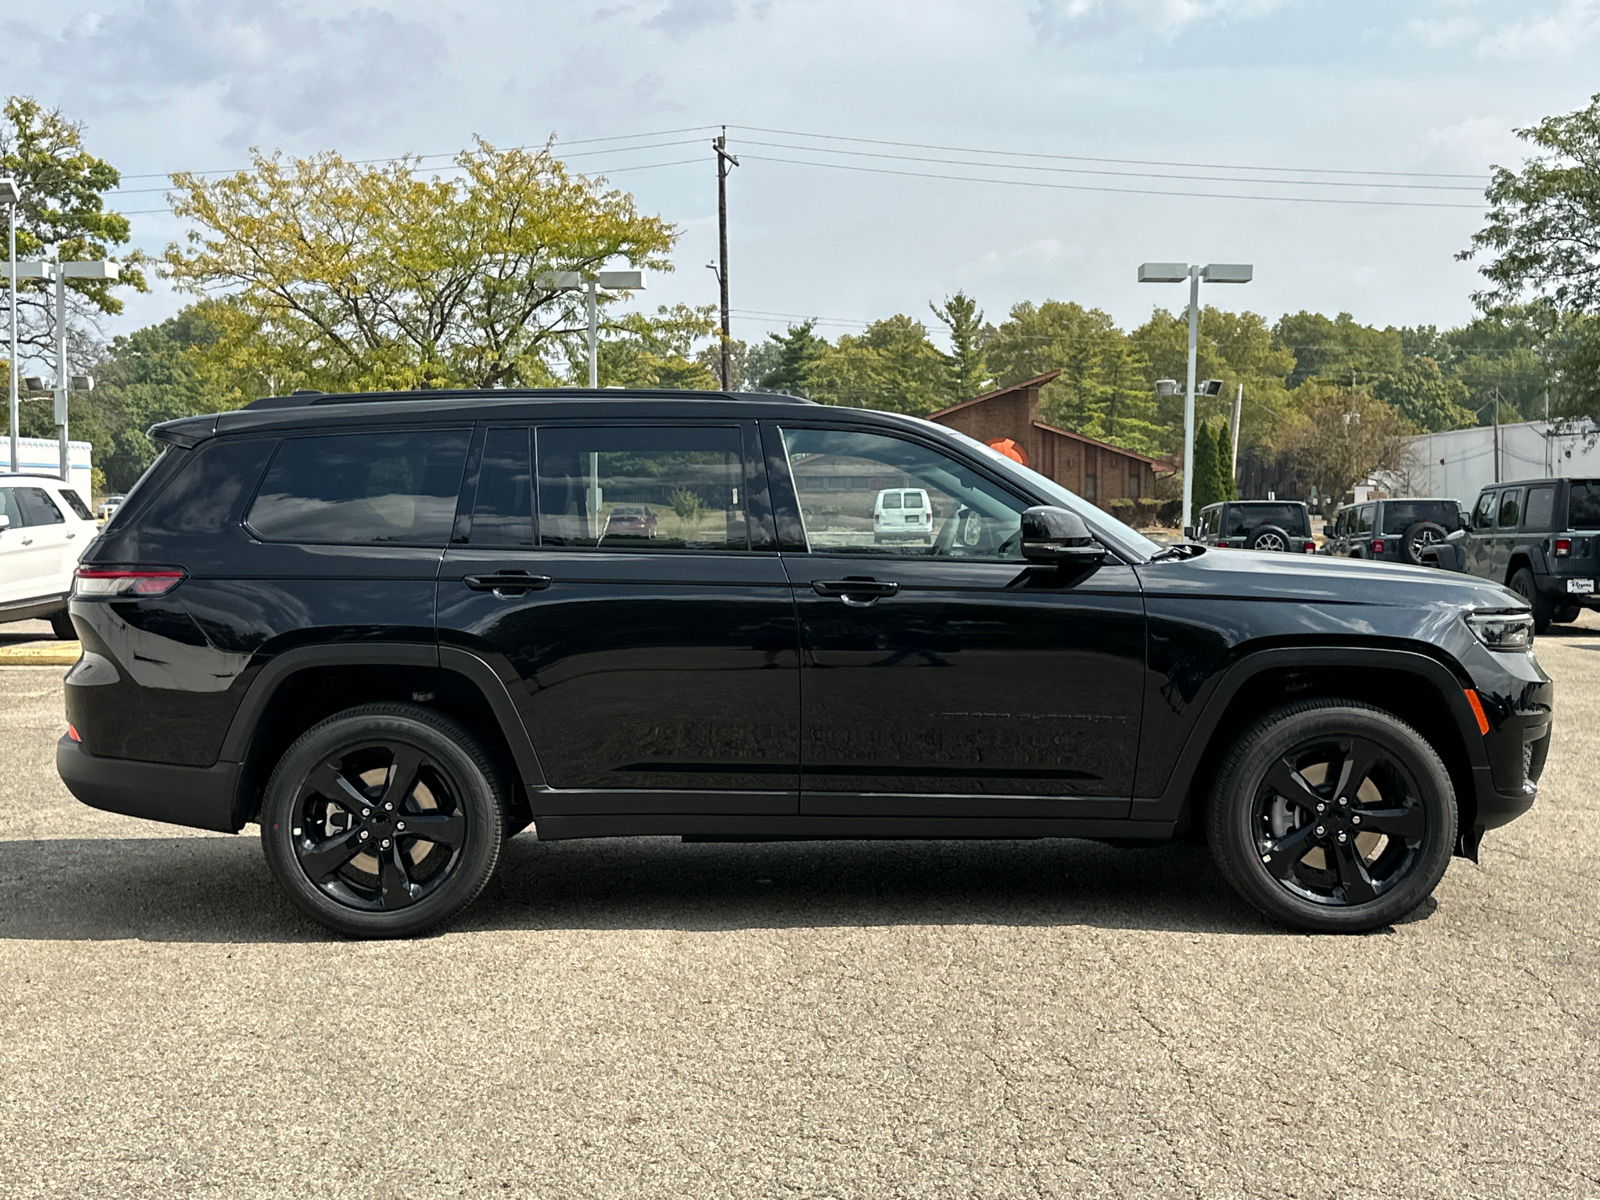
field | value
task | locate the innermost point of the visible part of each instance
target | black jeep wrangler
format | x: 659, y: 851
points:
x: 393, y: 630
x: 1541, y: 538
x: 1280, y: 525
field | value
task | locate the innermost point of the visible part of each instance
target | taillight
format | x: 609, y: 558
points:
x: 1563, y: 547
x: 97, y: 582
x: 1222, y: 545
x: 1377, y: 545
x: 1309, y: 548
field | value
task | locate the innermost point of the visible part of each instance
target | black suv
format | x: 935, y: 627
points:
x: 1395, y: 530
x: 1541, y: 538
x: 1281, y: 525
x: 393, y: 630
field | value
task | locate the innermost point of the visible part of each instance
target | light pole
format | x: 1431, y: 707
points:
x: 612, y: 281
x: 1177, y: 273
x: 60, y: 272
x: 11, y: 196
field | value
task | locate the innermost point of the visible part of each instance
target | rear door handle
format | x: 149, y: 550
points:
x: 507, y: 583
x: 857, y: 593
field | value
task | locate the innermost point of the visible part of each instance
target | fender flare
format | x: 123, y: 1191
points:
x: 1169, y: 804
x: 242, y: 729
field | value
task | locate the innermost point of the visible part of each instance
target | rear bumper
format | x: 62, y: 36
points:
x: 200, y: 797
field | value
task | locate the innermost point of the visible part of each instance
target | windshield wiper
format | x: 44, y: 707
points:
x: 1179, y: 550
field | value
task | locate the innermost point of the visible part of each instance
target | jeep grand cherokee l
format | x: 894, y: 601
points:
x: 391, y: 630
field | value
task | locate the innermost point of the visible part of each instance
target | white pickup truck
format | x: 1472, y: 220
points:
x: 44, y: 529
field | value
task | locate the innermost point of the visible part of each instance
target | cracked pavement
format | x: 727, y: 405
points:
x: 645, y: 1018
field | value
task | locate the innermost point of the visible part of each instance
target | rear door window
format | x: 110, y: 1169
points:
x: 1540, y: 508
x: 363, y: 489
x: 1583, y: 505
x: 689, y: 478
x: 502, y: 514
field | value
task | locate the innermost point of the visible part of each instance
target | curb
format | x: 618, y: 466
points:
x: 58, y: 654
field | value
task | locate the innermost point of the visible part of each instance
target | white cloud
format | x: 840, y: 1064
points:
x: 1073, y: 20
x: 1570, y: 30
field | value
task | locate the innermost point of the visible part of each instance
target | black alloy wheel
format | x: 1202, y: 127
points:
x: 383, y: 820
x: 1332, y: 816
x: 1522, y: 583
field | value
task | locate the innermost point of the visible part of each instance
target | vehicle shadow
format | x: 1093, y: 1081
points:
x: 218, y: 889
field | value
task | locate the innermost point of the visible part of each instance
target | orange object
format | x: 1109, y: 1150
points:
x: 72, y: 732
x: 1010, y: 449
x: 1477, y: 710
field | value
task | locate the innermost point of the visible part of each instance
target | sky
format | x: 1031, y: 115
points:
x: 1269, y: 109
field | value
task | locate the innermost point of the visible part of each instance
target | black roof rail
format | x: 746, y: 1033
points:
x: 301, y: 399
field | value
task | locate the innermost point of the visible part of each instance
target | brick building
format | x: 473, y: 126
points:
x: 1094, y: 470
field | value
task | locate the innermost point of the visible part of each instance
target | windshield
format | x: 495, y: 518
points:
x: 1096, y: 518
x: 1401, y: 515
x: 1246, y: 518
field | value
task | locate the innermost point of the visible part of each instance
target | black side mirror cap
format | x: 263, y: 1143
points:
x: 1057, y: 536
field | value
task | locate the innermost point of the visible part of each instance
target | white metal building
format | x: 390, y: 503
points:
x: 42, y: 456
x: 1460, y: 462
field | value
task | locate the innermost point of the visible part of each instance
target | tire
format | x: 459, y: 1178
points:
x: 1522, y: 583
x: 1566, y: 615
x: 1268, y: 537
x: 1260, y: 803
x: 1418, y: 536
x: 411, y: 882
x: 61, y: 626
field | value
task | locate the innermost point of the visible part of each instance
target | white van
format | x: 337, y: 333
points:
x: 44, y: 528
x: 902, y: 514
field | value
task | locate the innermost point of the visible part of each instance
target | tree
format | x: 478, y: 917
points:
x: 1331, y: 349
x: 1421, y: 394
x: 346, y: 276
x: 1225, y: 481
x: 796, y: 350
x: 891, y: 366
x: 1207, y: 487
x: 967, y: 373
x: 1340, y: 437
x: 652, y: 352
x: 62, y: 216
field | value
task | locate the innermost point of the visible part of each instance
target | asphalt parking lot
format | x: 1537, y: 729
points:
x: 644, y: 1018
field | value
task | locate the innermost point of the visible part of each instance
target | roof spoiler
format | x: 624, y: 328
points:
x: 184, y: 433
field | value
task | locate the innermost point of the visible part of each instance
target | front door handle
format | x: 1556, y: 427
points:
x: 507, y: 583
x: 857, y: 593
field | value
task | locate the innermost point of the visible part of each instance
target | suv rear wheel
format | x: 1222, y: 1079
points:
x: 1332, y: 816
x: 383, y: 820
x: 1522, y: 583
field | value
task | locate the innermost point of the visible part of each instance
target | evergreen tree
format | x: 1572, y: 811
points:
x: 966, y: 374
x: 1229, y: 487
x: 797, y: 348
x: 1206, y: 488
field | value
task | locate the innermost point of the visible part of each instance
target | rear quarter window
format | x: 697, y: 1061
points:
x: 1583, y: 505
x: 205, y: 491
x: 362, y: 489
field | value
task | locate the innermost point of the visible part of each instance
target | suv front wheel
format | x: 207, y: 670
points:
x: 383, y: 820
x: 1332, y: 816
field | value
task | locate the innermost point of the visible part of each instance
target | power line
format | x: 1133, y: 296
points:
x: 1135, y: 162
x: 1447, y: 187
x: 1085, y: 187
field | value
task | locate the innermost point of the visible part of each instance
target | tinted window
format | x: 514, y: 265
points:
x: 1401, y: 515
x: 837, y: 474
x: 202, y: 496
x: 688, y: 480
x: 1540, y: 509
x: 363, y: 488
x: 1510, y: 506
x: 1483, y: 515
x: 76, y: 504
x: 37, y: 507
x: 1244, y: 519
x: 502, y: 515
x: 1583, y: 506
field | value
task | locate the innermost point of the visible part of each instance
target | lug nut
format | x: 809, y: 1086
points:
x: 1320, y: 807
x: 1343, y: 802
x: 1343, y: 837
x: 388, y: 808
x: 1321, y: 829
x: 1355, y: 820
x: 400, y: 825
x: 386, y: 842
x: 365, y: 835
x: 365, y: 813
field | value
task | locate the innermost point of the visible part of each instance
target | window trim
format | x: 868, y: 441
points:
x: 1500, y: 507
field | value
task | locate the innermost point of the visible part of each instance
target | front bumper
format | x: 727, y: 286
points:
x: 200, y: 797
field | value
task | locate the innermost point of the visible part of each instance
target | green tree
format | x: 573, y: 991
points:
x: 346, y: 276
x: 1420, y: 393
x: 1331, y: 349
x: 1226, y: 486
x: 797, y: 349
x: 62, y: 216
x: 967, y: 374
x: 1339, y: 437
x: 1207, y: 487
x: 651, y: 352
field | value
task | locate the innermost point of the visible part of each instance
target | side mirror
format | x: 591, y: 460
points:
x: 1054, y: 535
x: 1188, y: 533
x: 5, y: 521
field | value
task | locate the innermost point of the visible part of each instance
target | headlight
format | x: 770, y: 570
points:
x: 1502, y: 631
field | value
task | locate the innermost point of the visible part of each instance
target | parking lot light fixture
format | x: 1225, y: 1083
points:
x: 1157, y: 272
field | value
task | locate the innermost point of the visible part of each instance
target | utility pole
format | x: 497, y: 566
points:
x: 720, y: 145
